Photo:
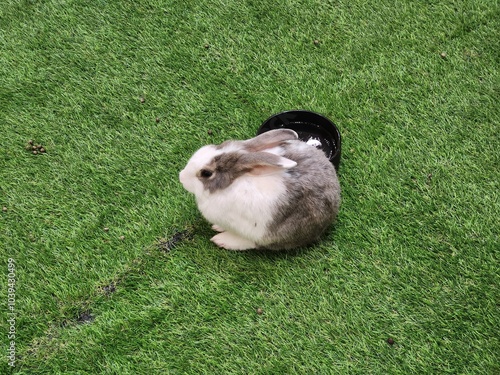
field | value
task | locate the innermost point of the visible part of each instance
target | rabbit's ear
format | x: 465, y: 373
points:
x: 259, y: 163
x: 269, y: 139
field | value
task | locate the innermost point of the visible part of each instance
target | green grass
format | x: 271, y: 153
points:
x: 414, y: 255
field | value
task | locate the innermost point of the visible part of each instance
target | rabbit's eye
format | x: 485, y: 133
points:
x: 205, y: 173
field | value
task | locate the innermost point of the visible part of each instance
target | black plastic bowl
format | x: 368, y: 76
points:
x: 312, y: 128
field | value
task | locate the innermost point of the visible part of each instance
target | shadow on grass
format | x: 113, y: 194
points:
x: 179, y: 236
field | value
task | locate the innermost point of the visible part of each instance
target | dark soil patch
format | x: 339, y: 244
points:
x: 85, y: 317
x: 167, y: 244
x: 109, y: 289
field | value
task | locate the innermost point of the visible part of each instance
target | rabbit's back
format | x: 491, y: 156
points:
x: 311, y: 201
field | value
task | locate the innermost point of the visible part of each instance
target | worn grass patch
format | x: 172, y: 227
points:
x: 114, y: 270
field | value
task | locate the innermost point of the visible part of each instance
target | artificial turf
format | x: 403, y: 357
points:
x: 114, y: 270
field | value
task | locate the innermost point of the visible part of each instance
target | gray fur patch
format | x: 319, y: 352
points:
x: 310, y: 204
x: 225, y: 169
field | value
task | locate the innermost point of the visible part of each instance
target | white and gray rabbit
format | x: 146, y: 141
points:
x: 271, y: 192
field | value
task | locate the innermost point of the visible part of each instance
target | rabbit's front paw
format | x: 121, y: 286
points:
x: 231, y: 241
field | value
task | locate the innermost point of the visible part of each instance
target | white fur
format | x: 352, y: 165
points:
x: 187, y: 176
x: 245, y: 207
x: 242, y: 210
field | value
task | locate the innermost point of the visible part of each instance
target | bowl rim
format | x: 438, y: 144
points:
x: 331, y: 129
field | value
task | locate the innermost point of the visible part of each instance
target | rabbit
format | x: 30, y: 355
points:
x: 271, y: 192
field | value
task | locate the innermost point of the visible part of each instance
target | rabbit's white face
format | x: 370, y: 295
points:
x: 189, y: 176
